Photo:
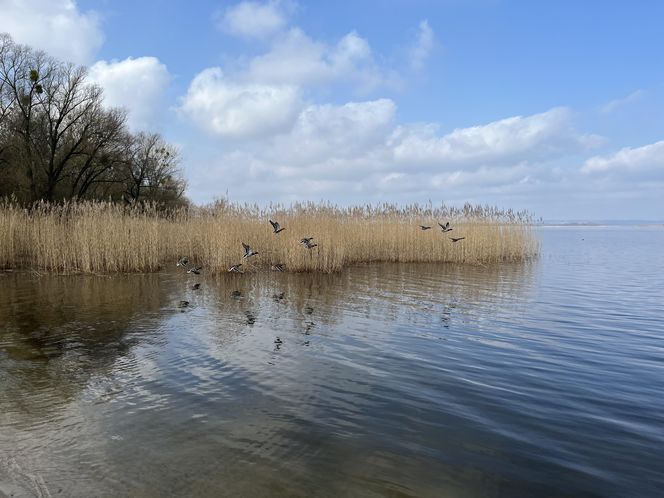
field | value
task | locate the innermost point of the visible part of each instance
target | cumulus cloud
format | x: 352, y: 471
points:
x: 296, y: 59
x: 423, y: 46
x: 255, y: 19
x: 135, y: 84
x: 548, y: 134
x: 357, y: 151
x: 281, y: 143
x: 348, y: 130
x: 55, y: 26
x: 629, y: 160
x: 233, y: 110
x: 266, y: 95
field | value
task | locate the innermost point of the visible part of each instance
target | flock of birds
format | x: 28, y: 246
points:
x: 248, y: 253
x: 306, y: 242
x: 445, y: 228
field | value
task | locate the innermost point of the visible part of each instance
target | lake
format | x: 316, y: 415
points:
x: 536, y: 379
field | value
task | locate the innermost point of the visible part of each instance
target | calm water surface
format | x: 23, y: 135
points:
x: 545, y: 379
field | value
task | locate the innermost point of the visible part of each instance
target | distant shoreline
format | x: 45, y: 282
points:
x: 597, y: 224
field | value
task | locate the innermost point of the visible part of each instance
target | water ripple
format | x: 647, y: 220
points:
x: 403, y: 380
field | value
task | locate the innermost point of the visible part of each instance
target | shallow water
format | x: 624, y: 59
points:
x: 543, y: 379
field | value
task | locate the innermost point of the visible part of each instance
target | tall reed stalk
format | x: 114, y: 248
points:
x: 104, y: 237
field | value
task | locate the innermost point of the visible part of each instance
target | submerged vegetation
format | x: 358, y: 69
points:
x: 108, y: 237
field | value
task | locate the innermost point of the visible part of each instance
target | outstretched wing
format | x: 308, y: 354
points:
x: 275, y: 225
x: 246, y: 248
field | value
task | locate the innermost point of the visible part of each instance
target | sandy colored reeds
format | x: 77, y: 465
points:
x: 104, y: 237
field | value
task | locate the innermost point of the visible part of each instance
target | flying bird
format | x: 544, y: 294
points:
x: 276, y: 226
x: 457, y: 239
x: 235, y: 269
x: 248, y: 251
x: 445, y: 227
x: 196, y: 270
x: 182, y: 261
x: 306, y: 242
x: 278, y: 267
x: 195, y: 286
x: 424, y: 227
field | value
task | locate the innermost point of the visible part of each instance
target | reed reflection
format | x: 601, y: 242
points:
x: 258, y: 369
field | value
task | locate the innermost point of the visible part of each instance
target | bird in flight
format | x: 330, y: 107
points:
x: 195, y: 286
x: 182, y: 261
x: 248, y: 251
x: 276, y: 226
x: 445, y: 227
x: 235, y: 269
x: 424, y: 227
x: 457, y: 239
x: 196, y: 270
x: 278, y: 267
x: 306, y: 242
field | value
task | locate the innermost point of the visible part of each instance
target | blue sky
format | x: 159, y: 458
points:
x: 555, y: 107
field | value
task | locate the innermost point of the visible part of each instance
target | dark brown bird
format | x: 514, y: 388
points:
x: 276, y: 227
x: 424, y: 227
x: 196, y: 270
x: 195, y: 286
x: 278, y: 267
x: 457, y: 239
x: 445, y: 227
x: 306, y: 242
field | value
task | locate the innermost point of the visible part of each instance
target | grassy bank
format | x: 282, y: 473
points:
x: 101, y: 237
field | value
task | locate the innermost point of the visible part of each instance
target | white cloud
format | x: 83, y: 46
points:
x: 265, y: 96
x: 296, y: 59
x: 646, y: 159
x: 548, y: 134
x: 357, y: 152
x: 56, y: 26
x: 326, y: 136
x: 228, y: 109
x: 135, y: 84
x: 255, y: 19
x: 423, y: 46
x: 617, y: 103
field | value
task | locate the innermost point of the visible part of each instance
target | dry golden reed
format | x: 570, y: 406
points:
x: 103, y: 237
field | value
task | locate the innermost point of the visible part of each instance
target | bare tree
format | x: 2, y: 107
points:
x: 59, y: 141
x: 153, y: 170
x: 20, y: 68
x: 104, y: 153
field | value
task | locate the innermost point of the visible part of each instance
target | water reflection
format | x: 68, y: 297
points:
x: 399, y: 380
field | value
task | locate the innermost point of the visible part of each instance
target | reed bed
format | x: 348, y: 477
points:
x: 104, y: 237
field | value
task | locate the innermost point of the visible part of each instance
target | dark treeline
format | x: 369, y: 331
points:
x: 58, y: 141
